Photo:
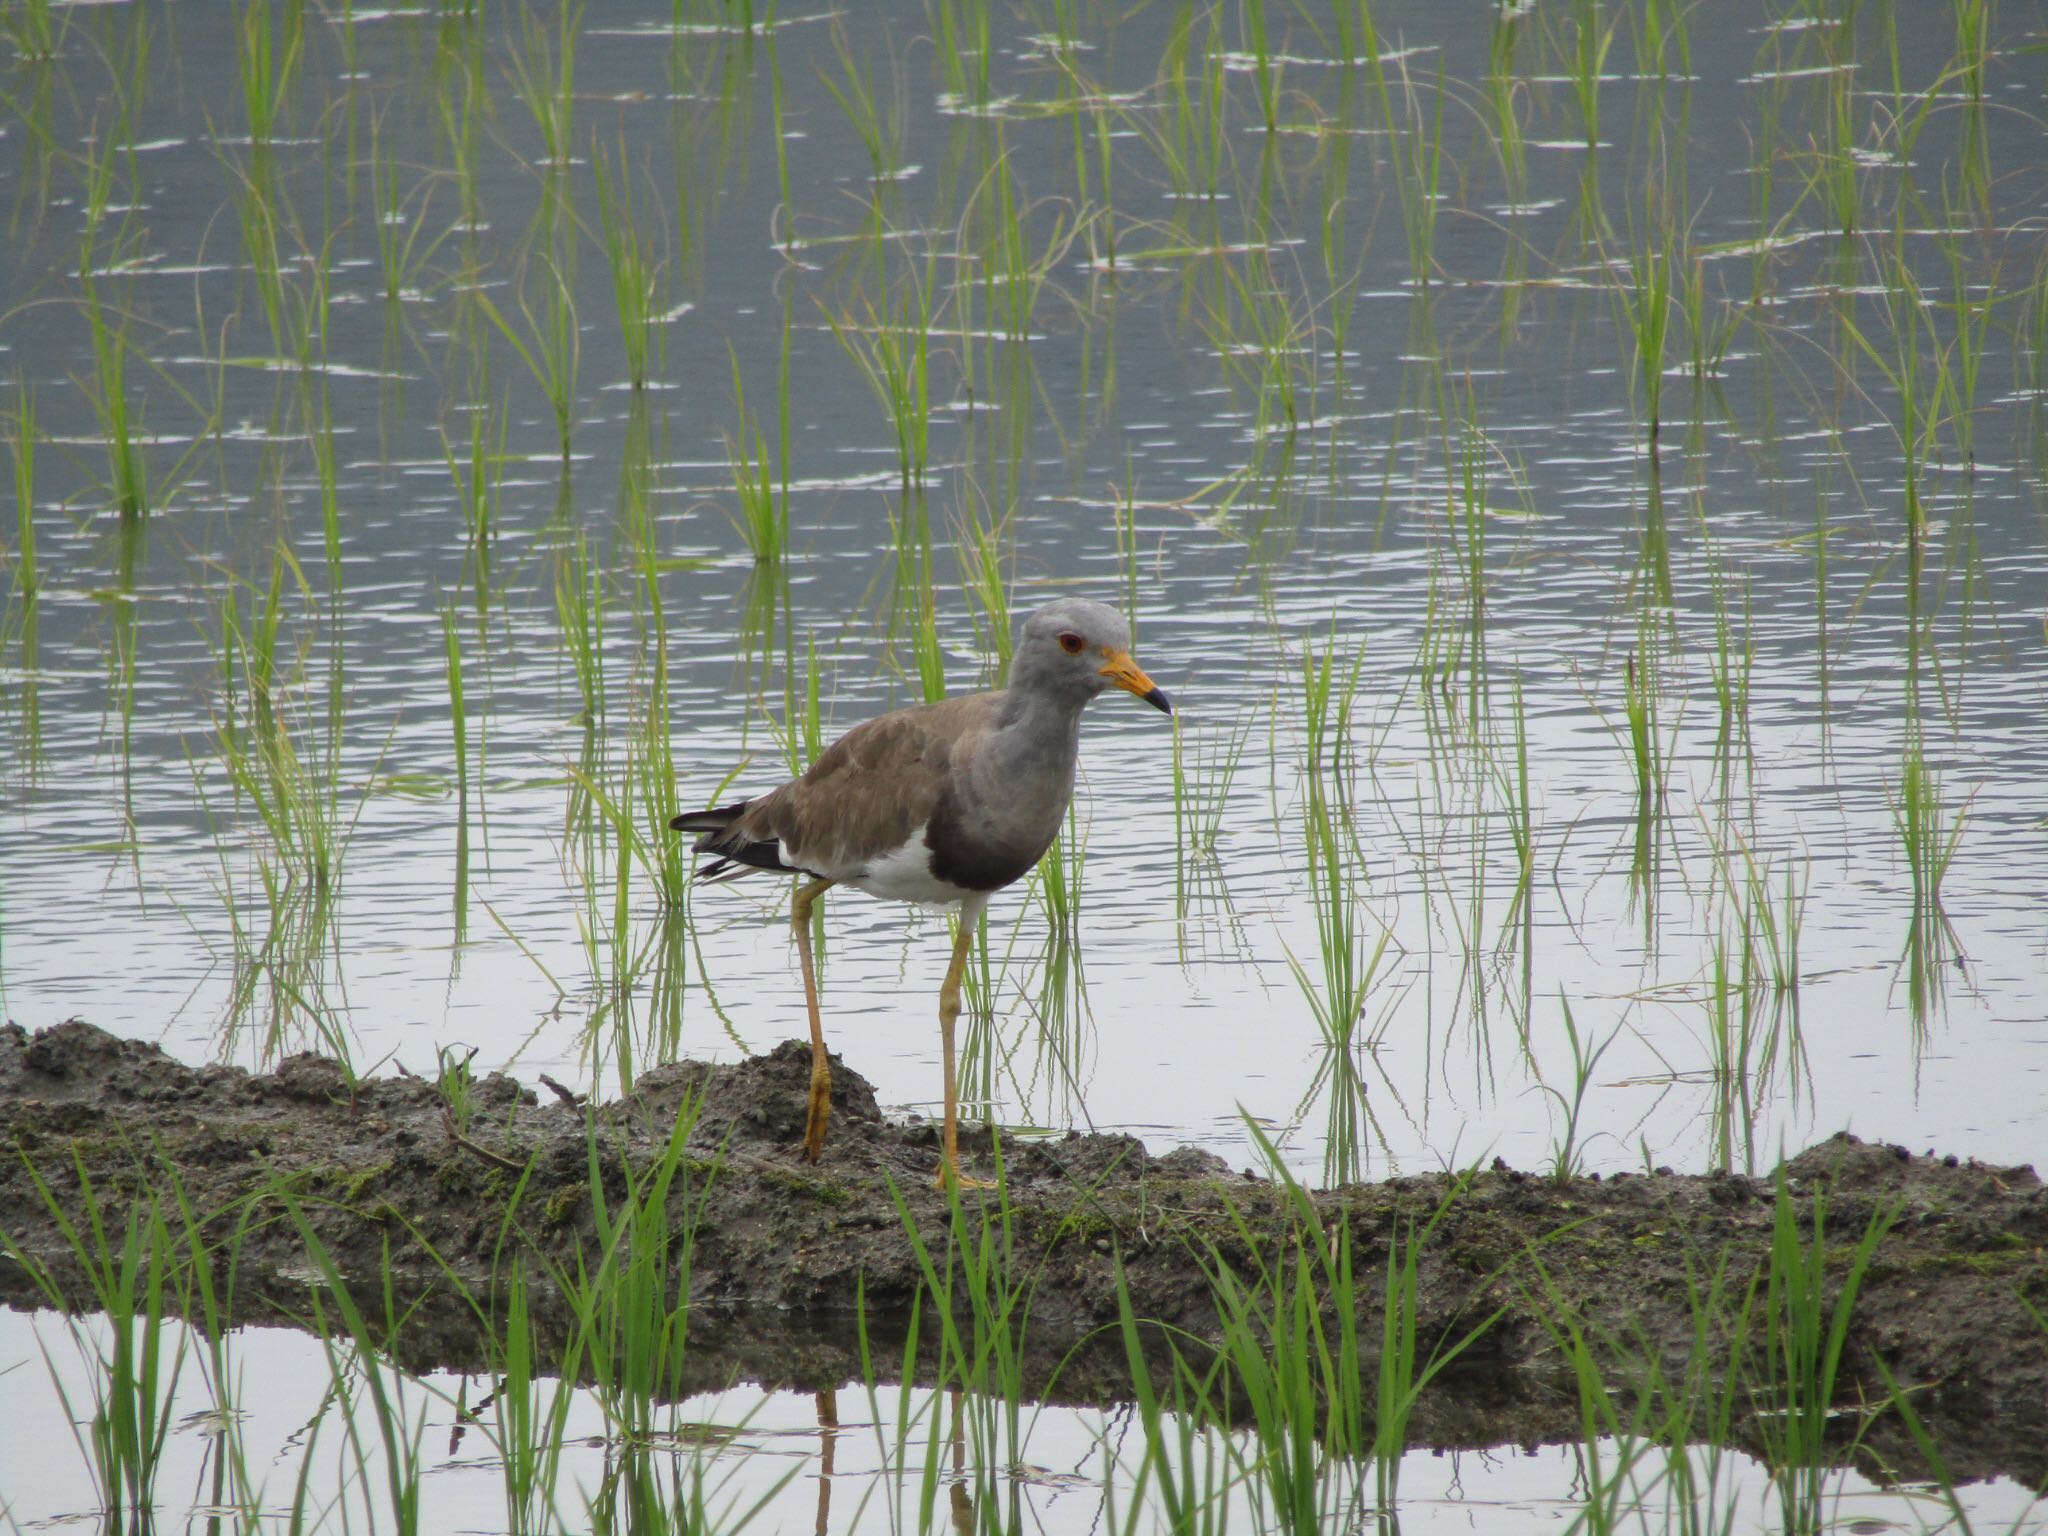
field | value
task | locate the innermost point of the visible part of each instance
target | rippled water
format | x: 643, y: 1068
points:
x: 1204, y: 384
x: 1780, y: 541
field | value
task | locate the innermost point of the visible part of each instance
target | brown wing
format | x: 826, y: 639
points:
x: 867, y: 792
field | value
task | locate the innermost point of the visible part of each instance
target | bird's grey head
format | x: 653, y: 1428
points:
x: 1073, y: 649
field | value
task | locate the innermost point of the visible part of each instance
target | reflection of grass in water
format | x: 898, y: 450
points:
x: 1928, y: 834
x: 1295, y: 1376
x: 288, y: 779
x: 1348, y: 962
x: 134, y: 1353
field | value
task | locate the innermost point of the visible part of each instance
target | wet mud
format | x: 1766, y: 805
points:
x: 1952, y: 1304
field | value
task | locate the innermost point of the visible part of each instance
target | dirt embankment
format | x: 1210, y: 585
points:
x: 781, y: 1248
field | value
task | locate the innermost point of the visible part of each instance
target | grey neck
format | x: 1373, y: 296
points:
x: 1039, y: 728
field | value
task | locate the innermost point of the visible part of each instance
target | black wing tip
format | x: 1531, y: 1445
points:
x: 715, y: 819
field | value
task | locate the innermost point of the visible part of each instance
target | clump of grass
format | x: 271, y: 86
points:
x: 1647, y: 299
x: 552, y: 346
x: 22, y: 441
x: 36, y: 28
x: 762, y: 506
x: 1805, y: 1336
x: 1928, y: 834
x: 135, y: 1357
x: 1567, y: 1156
x: 891, y: 347
x: 636, y: 276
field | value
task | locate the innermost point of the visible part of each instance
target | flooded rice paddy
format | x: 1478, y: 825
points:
x: 1578, y: 470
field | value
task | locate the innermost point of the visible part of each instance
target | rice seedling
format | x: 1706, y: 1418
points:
x: 1202, y: 782
x: 1649, y: 766
x: 1294, y: 1358
x: 1973, y: 53
x: 1184, y: 1471
x: 135, y: 1352
x: 36, y: 28
x: 1971, y: 314
x: 891, y: 348
x: 1707, y: 339
x: 1835, y: 170
x: 1504, y: 94
x: 1567, y: 1154
x: 1749, y: 1028
x: 530, y: 1409
x: 543, y: 71
x: 1265, y: 342
x: 1610, y: 1447
x: 458, y: 720
x: 552, y: 346
x: 319, y: 413
x: 978, y: 1290
x: 366, y: 1386
x: 987, y: 553
x: 1805, y: 1333
x: 1199, y: 95
x: 1919, y: 424
x: 1592, y: 36
x: 762, y: 515
x: 1265, y: 69
x: 1662, y: 29
x: 1350, y: 960
x: 108, y: 389
x: 636, y: 276
x: 965, y: 48
x: 880, y: 133
x: 268, y: 69
x: 1929, y: 835
x: 400, y: 219
x: 21, y: 443
x: 630, y: 1300
x: 1418, y: 164
x: 1060, y: 874
x: 1646, y: 297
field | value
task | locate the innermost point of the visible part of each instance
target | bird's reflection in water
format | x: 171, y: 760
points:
x: 828, y: 1454
x: 960, y: 1500
x: 959, y: 1497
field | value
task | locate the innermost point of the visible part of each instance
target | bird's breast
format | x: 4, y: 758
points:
x: 910, y: 872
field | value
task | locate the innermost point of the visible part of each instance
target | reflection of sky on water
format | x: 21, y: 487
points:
x: 1190, y: 1007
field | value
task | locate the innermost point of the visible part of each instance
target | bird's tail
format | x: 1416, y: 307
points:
x: 716, y: 819
x: 736, y: 854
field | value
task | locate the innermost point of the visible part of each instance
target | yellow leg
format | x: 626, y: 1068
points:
x: 821, y: 1069
x: 949, y: 1012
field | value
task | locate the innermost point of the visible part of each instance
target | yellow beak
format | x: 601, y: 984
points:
x: 1130, y: 677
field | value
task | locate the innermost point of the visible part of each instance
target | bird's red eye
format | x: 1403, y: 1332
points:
x: 1072, y: 643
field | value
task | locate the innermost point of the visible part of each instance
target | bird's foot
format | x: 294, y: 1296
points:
x: 952, y: 1178
x: 814, y: 1122
x: 814, y: 1131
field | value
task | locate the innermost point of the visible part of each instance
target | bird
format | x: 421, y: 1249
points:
x: 939, y: 804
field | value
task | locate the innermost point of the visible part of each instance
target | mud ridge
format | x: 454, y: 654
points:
x: 781, y: 1249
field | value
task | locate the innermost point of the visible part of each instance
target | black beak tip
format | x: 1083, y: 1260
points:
x: 675, y: 823
x: 1158, y: 700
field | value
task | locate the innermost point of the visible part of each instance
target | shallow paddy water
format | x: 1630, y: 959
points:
x: 1536, y: 792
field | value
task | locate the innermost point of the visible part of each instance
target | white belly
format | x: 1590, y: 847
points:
x: 905, y: 874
